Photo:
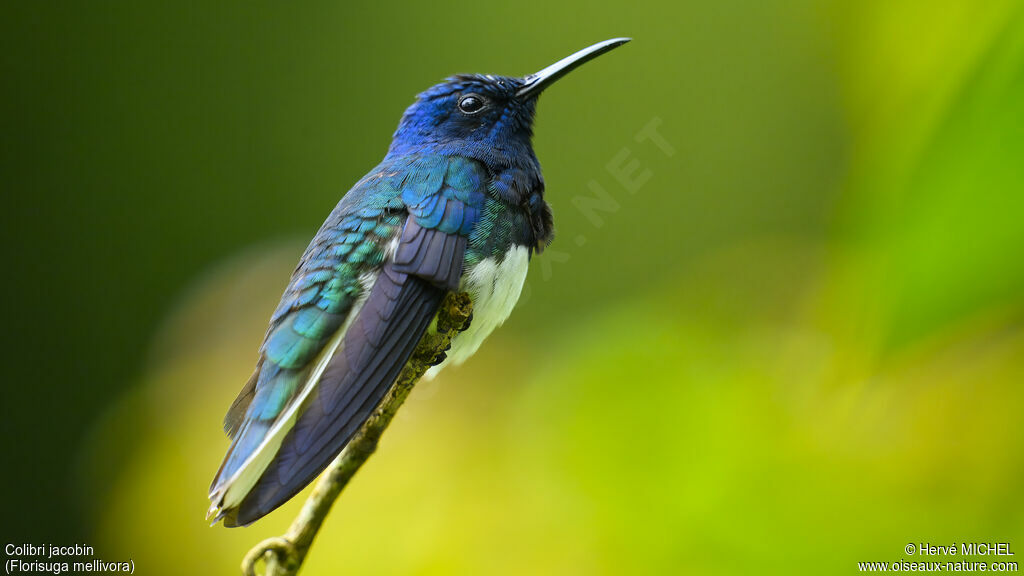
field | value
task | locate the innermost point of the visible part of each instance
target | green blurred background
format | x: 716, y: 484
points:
x: 798, y: 344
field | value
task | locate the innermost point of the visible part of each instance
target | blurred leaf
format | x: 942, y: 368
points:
x: 956, y: 241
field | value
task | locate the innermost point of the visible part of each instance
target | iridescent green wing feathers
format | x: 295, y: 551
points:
x: 397, y: 241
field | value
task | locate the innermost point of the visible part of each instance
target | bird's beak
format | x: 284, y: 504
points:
x: 534, y: 83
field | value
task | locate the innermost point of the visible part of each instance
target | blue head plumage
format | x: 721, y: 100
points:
x: 476, y: 116
x: 484, y: 117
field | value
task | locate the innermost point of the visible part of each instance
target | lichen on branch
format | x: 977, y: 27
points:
x: 284, y: 555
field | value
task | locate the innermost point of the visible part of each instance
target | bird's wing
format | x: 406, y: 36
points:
x: 363, y: 295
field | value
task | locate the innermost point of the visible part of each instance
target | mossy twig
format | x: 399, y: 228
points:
x: 284, y: 555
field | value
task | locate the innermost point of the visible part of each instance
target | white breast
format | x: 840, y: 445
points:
x: 494, y: 285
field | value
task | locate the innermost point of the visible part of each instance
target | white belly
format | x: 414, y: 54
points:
x: 494, y: 287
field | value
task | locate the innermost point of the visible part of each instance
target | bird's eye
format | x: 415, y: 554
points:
x: 471, y: 104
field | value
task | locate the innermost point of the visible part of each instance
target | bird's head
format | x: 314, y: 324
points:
x: 482, y: 116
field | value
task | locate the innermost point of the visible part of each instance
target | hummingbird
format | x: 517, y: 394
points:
x: 457, y: 204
